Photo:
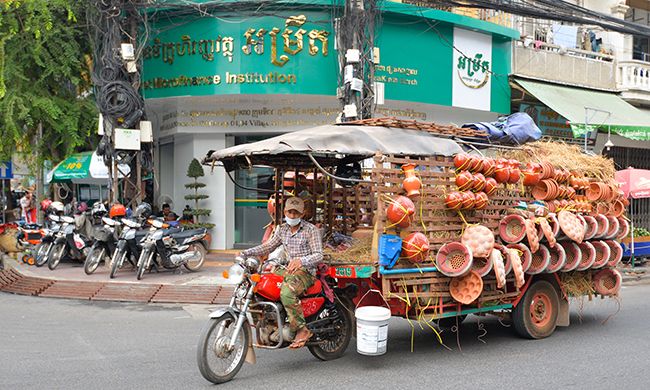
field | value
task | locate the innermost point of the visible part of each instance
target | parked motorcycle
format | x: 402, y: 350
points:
x: 172, y: 248
x: 42, y: 250
x: 68, y: 242
x: 226, y: 341
x: 103, y: 246
x: 128, y: 245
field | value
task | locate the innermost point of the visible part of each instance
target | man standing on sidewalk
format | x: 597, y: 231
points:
x: 304, y: 247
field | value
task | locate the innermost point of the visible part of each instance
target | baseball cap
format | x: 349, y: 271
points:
x: 295, y: 203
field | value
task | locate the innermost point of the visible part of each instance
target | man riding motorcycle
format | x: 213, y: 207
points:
x: 302, y: 242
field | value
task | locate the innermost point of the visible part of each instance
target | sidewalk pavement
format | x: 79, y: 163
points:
x: 69, y: 280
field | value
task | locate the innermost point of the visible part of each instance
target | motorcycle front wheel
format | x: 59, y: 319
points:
x: 42, y: 253
x: 55, y: 255
x: 94, y: 258
x: 334, y: 347
x: 196, y: 264
x: 117, y: 261
x: 143, y: 262
x: 216, y: 362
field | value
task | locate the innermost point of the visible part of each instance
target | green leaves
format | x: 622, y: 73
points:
x: 195, y: 169
x: 43, y: 45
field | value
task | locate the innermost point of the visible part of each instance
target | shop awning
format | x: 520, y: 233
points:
x: 599, y: 110
x: 332, y: 144
x: 82, y: 168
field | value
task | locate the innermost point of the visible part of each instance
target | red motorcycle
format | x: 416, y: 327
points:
x: 226, y: 341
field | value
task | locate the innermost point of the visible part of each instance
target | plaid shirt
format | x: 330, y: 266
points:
x: 304, y: 244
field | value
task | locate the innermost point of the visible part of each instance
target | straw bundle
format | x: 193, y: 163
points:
x: 577, y: 284
x: 565, y: 156
x: 358, y: 252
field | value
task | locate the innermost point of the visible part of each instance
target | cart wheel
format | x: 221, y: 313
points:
x: 31, y: 260
x: 24, y: 258
x: 535, y: 316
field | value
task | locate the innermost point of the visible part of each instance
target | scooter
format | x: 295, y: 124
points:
x: 29, y: 238
x: 172, y: 248
x: 127, y: 247
x: 69, y: 242
x: 103, y: 246
x: 47, y: 241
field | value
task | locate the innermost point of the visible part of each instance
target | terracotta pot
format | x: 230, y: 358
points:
x: 270, y: 205
x: 454, y: 200
x: 476, y: 163
x: 595, y: 192
x: 464, y: 180
x: 512, y: 229
x: 545, y: 190
x: 480, y: 200
x: 489, y: 166
x: 502, y: 174
x: 571, y: 193
x: 411, y: 183
x: 534, y: 167
x: 490, y: 186
x: 515, y: 174
x: 468, y: 200
x: 454, y: 259
x: 466, y: 289
x: 461, y: 161
x: 608, y: 282
x: 531, y: 178
x: 525, y: 254
x: 514, y: 163
x: 415, y: 247
x: 400, y: 212
x: 478, y: 183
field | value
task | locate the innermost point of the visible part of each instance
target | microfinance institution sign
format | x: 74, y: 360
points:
x: 472, y: 81
x: 263, y: 55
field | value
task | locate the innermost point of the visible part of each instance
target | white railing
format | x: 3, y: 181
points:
x: 633, y: 75
x: 538, y: 45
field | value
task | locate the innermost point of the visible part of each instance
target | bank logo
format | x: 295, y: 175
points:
x: 473, y: 72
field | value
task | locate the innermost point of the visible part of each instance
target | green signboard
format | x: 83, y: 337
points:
x: 293, y: 53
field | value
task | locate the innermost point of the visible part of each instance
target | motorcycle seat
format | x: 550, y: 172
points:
x: 172, y: 231
x: 315, y: 288
x: 188, y: 233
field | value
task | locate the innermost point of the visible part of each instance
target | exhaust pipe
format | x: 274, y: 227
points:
x: 182, y: 258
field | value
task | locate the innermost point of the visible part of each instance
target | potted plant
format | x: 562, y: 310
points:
x: 194, y: 171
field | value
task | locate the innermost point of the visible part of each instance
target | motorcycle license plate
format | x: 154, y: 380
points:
x: 351, y: 271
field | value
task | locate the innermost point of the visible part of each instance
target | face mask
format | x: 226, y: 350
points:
x: 292, y: 221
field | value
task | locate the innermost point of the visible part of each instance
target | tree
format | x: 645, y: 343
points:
x: 195, y: 170
x: 45, y: 60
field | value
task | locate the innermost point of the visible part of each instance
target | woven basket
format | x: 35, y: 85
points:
x: 454, y: 259
x: 540, y: 260
x: 608, y: 282
x: 588, y: 256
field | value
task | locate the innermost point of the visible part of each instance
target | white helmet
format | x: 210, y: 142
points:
x: 98, y: 209
x: 57, y: 207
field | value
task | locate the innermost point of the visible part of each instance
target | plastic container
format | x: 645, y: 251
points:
x: 372, y: 329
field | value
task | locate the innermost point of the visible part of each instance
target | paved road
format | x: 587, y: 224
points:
x: 57, y: 343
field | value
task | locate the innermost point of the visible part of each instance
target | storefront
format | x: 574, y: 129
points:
x: 214, y: 82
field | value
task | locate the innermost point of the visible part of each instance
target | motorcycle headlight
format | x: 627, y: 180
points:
x: 235, y: 274
x: 252, y: 264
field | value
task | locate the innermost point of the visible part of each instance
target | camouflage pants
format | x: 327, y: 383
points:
x: 294, y: 285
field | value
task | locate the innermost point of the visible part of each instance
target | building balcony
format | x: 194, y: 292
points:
x: 633, y: 80
x: 553, y: 63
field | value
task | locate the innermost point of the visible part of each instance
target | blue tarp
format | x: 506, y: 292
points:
x: 515, y: 129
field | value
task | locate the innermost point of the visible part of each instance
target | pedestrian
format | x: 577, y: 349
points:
x: 304, y: 247
x: 28, y: 207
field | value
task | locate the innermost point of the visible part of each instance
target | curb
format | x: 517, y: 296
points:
x: 13, y: 281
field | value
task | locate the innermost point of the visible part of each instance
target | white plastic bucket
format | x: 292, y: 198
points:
x: 372, y: 329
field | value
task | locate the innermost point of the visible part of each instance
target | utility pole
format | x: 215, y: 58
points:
x: 40, y: 185
x: 355, y: 38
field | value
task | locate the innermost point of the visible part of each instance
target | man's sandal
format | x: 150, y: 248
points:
x: 299, y: 343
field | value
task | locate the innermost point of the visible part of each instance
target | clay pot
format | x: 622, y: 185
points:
x: 400, y: 212
x: 545, y: 190
x: 515, y: 174
x: 502, y: 174
x: 490, y: 186
x: 480, y: 200
x: 512, y: 229
x: 468, y: 200
x: 454, y: 200
x: 608, y: 282
x: 595, y: 191
x: 531, y: 178
x: 489, y: 166
x: 415, y: 247
x: 454, y: 259
x: 573, y: 255
x: 466, y: 289
x: 476, y: 163
x: 461, y: 161
x: 478, y: 183
x: 534, y: 167
x: 464, y: 180
x: 270, y: 205
x: 411, y: 182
